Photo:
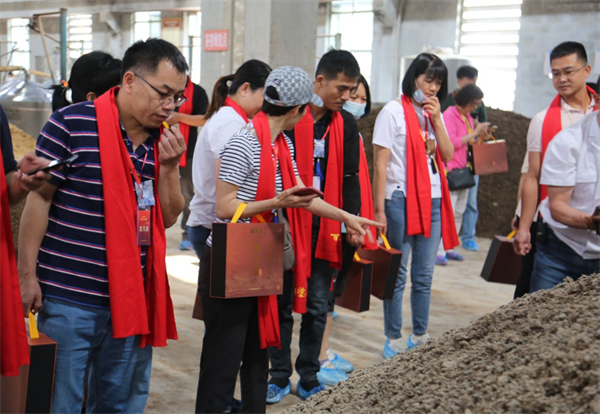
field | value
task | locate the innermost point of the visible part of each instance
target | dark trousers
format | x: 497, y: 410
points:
x: 311, y: 328
x: 528, y: 260
x: 187, y: 189
x: 231, y: 338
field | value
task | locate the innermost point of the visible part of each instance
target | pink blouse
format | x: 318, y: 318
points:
x: 456, y: 128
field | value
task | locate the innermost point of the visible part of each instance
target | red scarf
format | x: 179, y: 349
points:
x: 329, y: 246
x: 237, y: 108
x: 186, y: 108
x: 552, y: 125
x: 137, y: 307
x: 14, y: 350
x: 418, y: 184
x: 268, y: 316
x: 366, y: 196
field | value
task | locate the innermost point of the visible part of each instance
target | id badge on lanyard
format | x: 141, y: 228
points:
x: 144, y: 191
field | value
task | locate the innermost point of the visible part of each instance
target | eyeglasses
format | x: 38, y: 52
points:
x: 165, y: 99
x: 569, y: 73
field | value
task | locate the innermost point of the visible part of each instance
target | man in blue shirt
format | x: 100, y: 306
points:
x: 65, y: 258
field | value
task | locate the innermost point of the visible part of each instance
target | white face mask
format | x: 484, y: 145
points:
x: 356, y: 109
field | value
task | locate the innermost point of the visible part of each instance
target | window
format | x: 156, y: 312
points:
x: 195, y: 34
x: 18, y: 38
x: 353, y: 19
x: 489, y: 35
x: 79, y: 34
x: 147, y: 24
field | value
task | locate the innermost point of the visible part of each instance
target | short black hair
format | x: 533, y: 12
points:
x: 433, y: 67
x: 274, y: 110
x: 467, y: 94
x: 95, y: 72
x: 335, y: 62
x: 144, y: 56
x: 569, y: 48
x: 467, y: 72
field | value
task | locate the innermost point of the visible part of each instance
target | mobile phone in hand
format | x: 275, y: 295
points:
x: 55, y: 164
x: 306, y: 191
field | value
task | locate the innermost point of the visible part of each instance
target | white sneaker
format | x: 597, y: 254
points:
x: 416, y: 340
x: 398, y: 345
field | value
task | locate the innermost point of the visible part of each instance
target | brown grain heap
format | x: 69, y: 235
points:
x: 538, y: 354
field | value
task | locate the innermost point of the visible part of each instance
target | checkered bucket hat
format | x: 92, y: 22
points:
x: 293, y: 85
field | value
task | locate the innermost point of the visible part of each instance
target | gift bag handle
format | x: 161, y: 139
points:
x: 481, y: 139
x: 511, y: 235
x: 240, y: 211
x: 385, y: 242
x: 33, y: 330
x: 356, y: 257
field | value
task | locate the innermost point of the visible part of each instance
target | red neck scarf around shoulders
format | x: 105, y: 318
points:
x: 267, y: 305
x: 237, y: 108
x: 418, y: 184
x: 187, y: 109
x: 552, y: 125
x: 366, y: 196
x: 137, y: 307
x: 329, y: 246
x: 14, y: 349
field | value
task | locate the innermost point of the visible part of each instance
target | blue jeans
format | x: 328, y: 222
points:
x: 198, y: 235
x: 555, y: 260
x: 471, y: 214
x: 424, y: 251
x: 119, y: 370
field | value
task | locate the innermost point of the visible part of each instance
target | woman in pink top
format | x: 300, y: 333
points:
x: 461, y: 132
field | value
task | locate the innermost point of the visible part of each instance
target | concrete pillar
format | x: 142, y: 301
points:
x: 278, y: 32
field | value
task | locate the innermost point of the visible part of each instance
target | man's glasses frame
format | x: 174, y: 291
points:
x: 165, y: 99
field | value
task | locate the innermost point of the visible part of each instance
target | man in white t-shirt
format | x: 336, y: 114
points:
x: 570, y: 70
x: 571, y: 172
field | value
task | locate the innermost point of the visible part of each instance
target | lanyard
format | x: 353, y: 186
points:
x: 467, y: 123
x: 425, y: 135
x: 275, y: 152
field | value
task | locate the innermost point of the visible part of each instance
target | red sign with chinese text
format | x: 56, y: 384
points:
x: 216, y: 40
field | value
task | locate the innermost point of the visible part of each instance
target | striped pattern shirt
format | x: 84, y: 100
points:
x: 72, y: 263
x: 240, y: 166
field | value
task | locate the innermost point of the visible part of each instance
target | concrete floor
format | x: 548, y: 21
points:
x: 459, y: 296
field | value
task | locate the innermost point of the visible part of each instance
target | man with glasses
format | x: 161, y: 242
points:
x: 92, y: 242
x: 569, y: 73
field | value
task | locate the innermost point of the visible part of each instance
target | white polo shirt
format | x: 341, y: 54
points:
x: 573, y: 160
x: 213, y: 137
x: 390, y: 132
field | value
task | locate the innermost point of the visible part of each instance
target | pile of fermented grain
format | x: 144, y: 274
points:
x: 22, y: 144
x: 538, y: 354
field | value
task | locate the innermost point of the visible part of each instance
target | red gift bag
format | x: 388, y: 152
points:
x: 386, y: 263
x: 357, y: 291
x: 502, y: 264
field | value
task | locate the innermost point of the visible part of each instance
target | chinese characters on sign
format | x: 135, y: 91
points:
x: 216, y: 40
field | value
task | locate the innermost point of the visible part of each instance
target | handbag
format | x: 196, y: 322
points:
x: 31, y: 391
x: 289, y: 256
x: 386, y: 263
x: 502, y: 264
x: 246, y: 258
x: 460, y: 179
x: 490, y: 157
x: 356, y: 295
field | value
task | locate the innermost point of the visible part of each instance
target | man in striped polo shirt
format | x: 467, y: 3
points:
x: 100, y: 275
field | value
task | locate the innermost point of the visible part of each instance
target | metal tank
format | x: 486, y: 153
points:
x: 26, y: 103
x: 452, y: 61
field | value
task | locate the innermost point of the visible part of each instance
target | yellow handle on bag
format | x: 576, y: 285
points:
x: 240, y: 211
x: 511, y: 235
x: 356, y: 257
x: 385, y: 242
x: 33, y: 330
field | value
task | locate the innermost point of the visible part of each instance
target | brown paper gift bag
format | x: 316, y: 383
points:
x: 247, y: 258
x: 357, y: 291
x: 502, y: 264
x: 386, y: 263
x: 490, y: 157
x: 31, y: 391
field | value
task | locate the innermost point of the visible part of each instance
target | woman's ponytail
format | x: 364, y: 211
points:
x: 220, y: 93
